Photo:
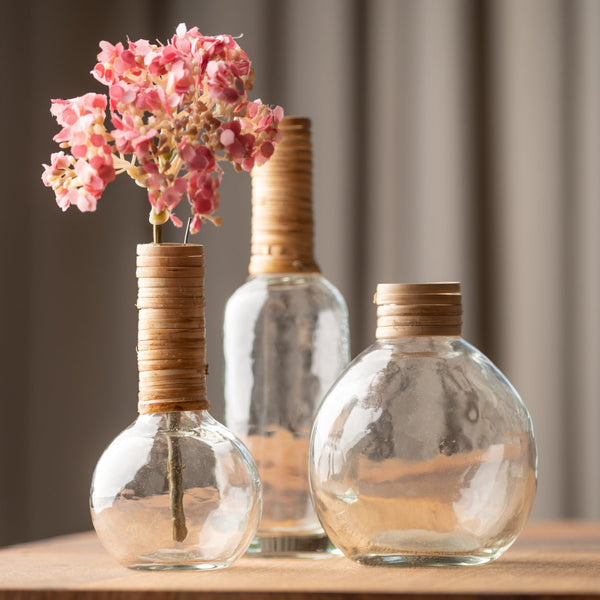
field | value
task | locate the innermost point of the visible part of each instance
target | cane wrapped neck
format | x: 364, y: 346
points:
x: 282, y: 214
x: 418, y: 309
x: 171, y: 349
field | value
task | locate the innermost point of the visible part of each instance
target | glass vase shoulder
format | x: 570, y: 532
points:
x: 422, y: 453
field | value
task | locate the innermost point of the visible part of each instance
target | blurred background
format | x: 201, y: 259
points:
x: 454, y: 140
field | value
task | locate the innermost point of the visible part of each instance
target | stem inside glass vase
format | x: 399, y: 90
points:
x: 175, y: 477
x: 171, y: 349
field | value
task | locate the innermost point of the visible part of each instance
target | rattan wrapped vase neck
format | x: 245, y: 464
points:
x: 282, y: 215
x: 171, y: 349
x: 418, y: 309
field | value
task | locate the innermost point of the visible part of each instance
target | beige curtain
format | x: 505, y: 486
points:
x: 454, y: 140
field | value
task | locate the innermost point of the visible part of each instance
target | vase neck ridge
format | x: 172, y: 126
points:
x: 418, y: 309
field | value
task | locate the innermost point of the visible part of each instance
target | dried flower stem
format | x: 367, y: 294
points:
x: 174, y: 461
x: 157, y: 233
x: 175, y: 476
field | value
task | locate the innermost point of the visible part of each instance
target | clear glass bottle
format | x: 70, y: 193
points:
x: 422, y: 453
x: 286, y: 339
x: 176, y: 489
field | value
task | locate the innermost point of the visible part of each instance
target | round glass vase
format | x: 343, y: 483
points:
x: 176, y: 489
x: 422, y: 453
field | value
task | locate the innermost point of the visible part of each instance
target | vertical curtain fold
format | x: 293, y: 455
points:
x: 581, y: 206
x: 15, y: 298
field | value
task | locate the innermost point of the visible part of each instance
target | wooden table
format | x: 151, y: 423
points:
x: 550, y: 560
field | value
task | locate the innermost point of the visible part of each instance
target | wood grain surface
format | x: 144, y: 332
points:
x: 550, y: 560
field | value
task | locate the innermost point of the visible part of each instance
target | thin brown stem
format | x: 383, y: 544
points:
x: 157, y: 233
x: 174, y: 459
x: 175, y: 476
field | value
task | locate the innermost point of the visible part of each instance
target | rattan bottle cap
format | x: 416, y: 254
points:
x: 171, y: 339
x: 282, y: 216
x: 418, y: 309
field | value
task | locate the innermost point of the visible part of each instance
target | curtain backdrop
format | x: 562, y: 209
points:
x: 454, y: 140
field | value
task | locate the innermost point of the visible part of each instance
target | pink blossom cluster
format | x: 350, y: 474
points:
x: 176, y: 110
x: 80, y: 178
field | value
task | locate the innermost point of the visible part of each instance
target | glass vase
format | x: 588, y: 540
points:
x: 285, y: 341
x: 176, y: 489
x: 422, y: 453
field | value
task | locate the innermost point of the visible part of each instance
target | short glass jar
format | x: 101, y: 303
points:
x: 422, y: 453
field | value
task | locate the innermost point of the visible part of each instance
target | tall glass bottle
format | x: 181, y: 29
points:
x: 286, y: 339
x: 422, y: 453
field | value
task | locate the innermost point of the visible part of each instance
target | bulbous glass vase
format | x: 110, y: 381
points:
x: 175, y: 490
x: 422, y: 453
x: 132, y: 504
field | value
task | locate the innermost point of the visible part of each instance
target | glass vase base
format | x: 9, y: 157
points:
x: 423, y: 560
x: 177, y: 567
x: 297, y: 546
x: 174, y: 560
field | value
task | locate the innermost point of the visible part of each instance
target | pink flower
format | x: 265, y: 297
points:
x: 140, y: 48
x: 239, y: 146
x: 261, y: 117
x: 264, y: 152
x: 184, y: 40
x: 84, y: 200
x: 170, y: 197
x: 198, y: 158
x: 109, y: 52
x: 153, y: 100
x: 160, y: 59
x: 67, y: 112
x: 116, y: 62
x: 196, y: 224
x: 222, y: 82
x: 88, y: 176
x: 141, y: 144
x: 220, y: 46
x: 77, y: 116
x: 202, y: 192
x: 104, y: 74
x: 62, y: 199
x: 128, y: 137
x: 125, y: 62
x: 175, y: 110
x: 102, y: 164
x: 58, y: 163
x: 122, y: 94
x: 179, y: 80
